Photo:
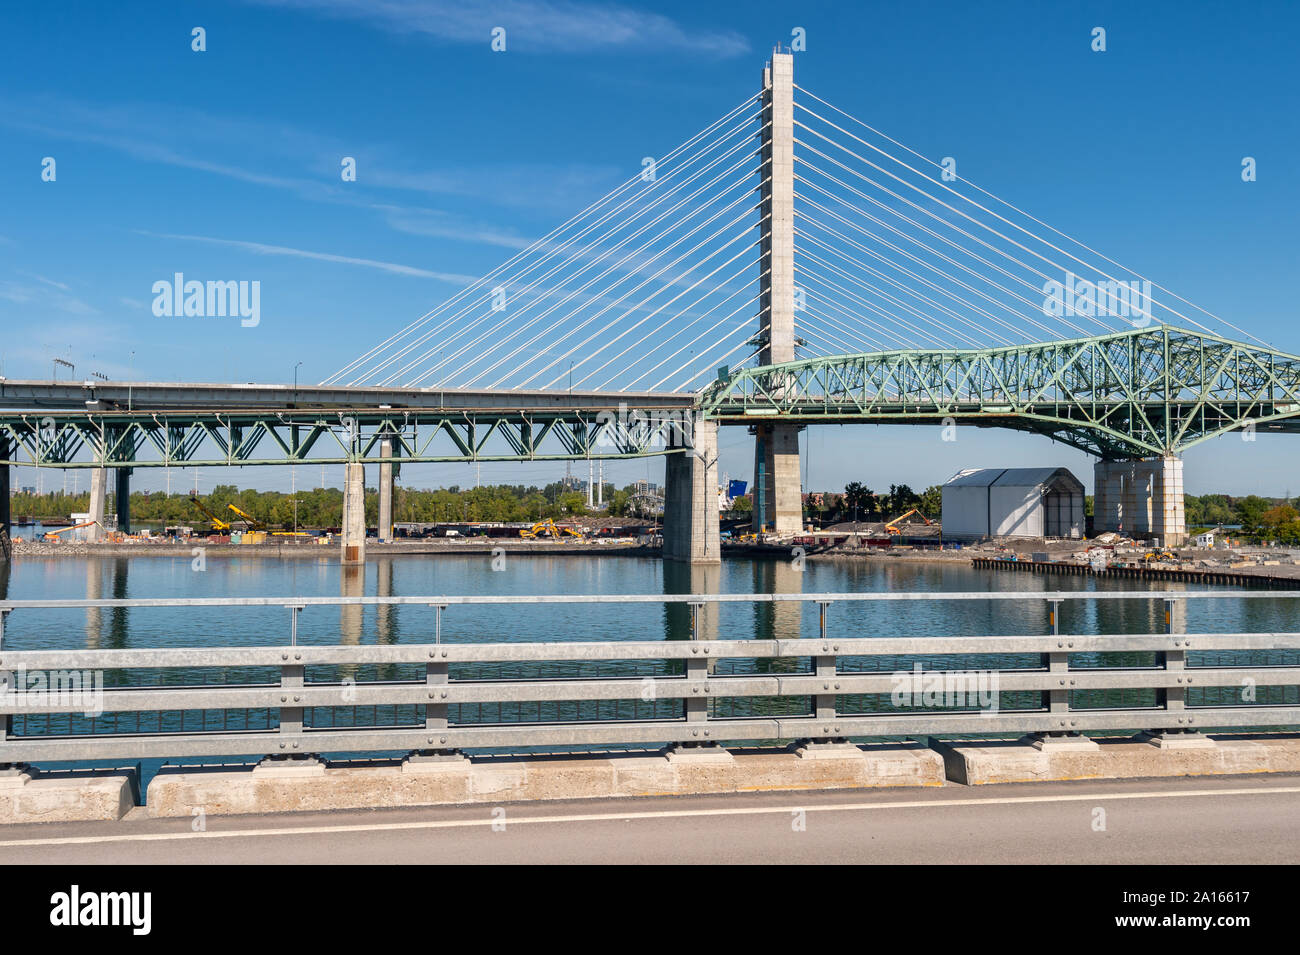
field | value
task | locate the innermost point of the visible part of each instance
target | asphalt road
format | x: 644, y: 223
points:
x: 1181, y: 821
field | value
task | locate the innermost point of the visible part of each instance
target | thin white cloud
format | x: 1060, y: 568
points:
x: 260, y: 248
x: 34, y: 297
x: 146, y: 132
x: 532, y: 26
x: 50, y: 282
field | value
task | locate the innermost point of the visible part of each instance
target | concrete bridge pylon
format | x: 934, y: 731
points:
x: 777, y: 490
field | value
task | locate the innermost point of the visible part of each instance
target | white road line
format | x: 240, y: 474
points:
x: 629, y: 816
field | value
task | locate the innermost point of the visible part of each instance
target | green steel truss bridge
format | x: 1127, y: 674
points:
x: 1147, y: 392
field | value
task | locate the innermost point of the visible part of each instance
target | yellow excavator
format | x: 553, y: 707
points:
x: 548, y: 528
x: 891, y: 529
x: 218, y: 525
x: 1158, y: 555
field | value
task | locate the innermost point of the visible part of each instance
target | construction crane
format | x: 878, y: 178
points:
x: 891, y: 529
x: 548, y: 528
x: 253, y: 522
x: 54, y: 535
x: 218, y: 524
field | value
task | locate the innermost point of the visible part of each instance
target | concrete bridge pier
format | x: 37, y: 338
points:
x: 98, y: 494
x: 386, y: 474
x: 776, y: 466
x: 1140, y: 498
x: 354, y: 513
x: 691, y: 528
x: 6, y: 519
x: 122, y: 499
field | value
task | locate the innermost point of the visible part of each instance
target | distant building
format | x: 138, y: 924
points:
x: 1012, y: 502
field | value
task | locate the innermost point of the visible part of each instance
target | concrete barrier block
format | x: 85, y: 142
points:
x: 982, y: 762
x: 30, y: 798
x: 644, y: 776
x: 497, y: 780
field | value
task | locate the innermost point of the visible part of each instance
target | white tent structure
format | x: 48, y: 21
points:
x: 1012, y: 502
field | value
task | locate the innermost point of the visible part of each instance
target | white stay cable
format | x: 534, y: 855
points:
x: 891, y: 300
x: 524, y: 252
x: 971, y: 219
x: 1022, y: 212
x: 658, y: 332
x: 680, y: 277
x: 610, y: 269
x: 635, y: 325
x: 553, y: 250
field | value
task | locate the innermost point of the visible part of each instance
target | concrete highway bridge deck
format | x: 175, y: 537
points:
x: 1155, y: 822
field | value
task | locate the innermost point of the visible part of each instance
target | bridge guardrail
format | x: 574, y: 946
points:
x: 699, y: 687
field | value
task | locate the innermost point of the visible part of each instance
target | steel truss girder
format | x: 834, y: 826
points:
x: 1146, y: 392
x: 187, y: 439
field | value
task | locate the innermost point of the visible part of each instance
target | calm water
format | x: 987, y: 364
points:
x: 145, y: 576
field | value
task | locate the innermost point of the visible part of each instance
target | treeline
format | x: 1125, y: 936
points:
x: 1260, y: 518
x: 323, y: 507
x: 860, y: 503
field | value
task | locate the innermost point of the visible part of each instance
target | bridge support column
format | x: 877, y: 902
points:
x: 691, y: 529
x: 776, y: 463
x: 98, y: 494
x: 385, y: 532
x: 122, y: 499
x: 6, y: 518
x: 1140, y: 499
x: 1168, y: 519
x: 354, y: 513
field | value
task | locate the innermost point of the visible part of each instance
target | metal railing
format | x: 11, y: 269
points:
x: 610, y: 693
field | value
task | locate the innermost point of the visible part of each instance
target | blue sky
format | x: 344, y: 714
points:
x: 225, y: 163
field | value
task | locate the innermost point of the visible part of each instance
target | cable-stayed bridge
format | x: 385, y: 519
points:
x: 787, y: 265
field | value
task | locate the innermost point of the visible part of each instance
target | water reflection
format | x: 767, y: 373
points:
x: 781, y: 620
x: 681, y: 578
x: 385, y: 614
x: 94, y: 615
x: 352, y: 583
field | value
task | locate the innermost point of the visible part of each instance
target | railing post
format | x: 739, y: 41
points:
x: 1173, y: 699
x: 1057, y: 699
x: 436, y: 679
x: 825, y: 668
x: 291, y: 684
x: 697, y: 669
x: 5, y: 719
